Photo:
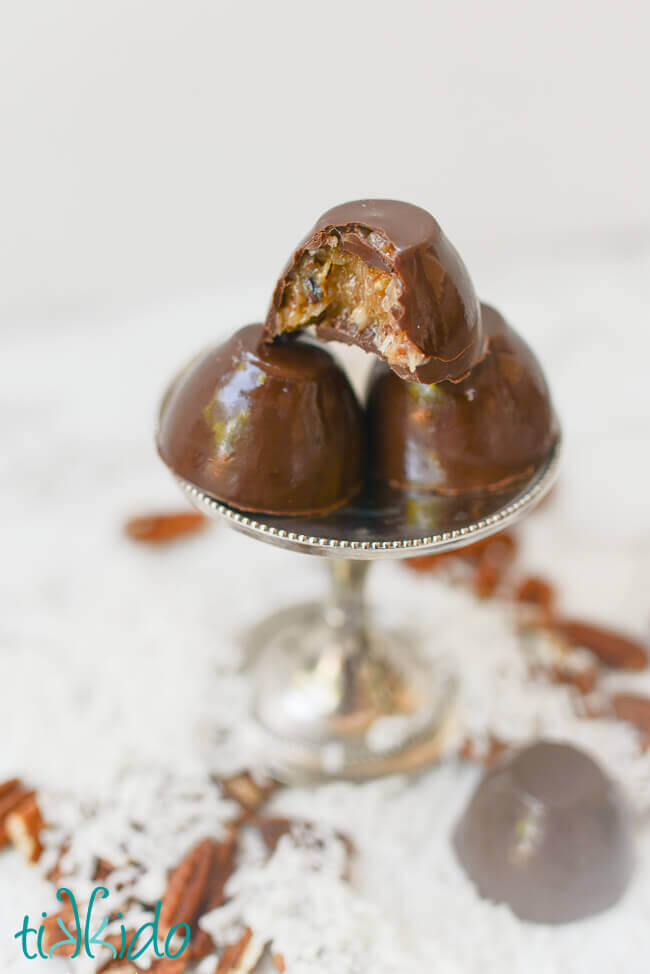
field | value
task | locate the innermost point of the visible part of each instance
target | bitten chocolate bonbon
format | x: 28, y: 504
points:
x: 380, y: 274
x: 459, y: 406
x: 546, y: 832
x: 274, y: 429
x: 484, y: 433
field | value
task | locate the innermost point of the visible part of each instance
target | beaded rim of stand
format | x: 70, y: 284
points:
x: 401, y: 548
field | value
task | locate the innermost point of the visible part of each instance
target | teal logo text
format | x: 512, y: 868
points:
x: 81, y: 936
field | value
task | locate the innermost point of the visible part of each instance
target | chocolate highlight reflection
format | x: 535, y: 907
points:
x: 271, y: 429
x: 381, y: 274
x: 486, y: 432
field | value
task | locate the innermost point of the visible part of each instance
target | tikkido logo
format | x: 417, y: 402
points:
x: 81, y: 937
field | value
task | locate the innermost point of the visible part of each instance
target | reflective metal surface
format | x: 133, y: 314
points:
x: 335, y: 697
x: 393, y: 523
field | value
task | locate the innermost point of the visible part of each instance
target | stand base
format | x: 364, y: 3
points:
x: 336, y: 702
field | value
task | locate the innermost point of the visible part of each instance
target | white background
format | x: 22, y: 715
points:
x: 157, y: 148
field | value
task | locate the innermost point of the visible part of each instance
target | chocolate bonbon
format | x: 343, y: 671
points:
x: 381, y: 274
x: 546, y: 831
x: 484, y: 433
x: 273, y: 429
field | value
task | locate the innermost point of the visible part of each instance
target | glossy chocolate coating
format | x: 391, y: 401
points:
x: 273, y: 429
x: 484, y: 433
x: 437, y: 307
x: 546, y: 832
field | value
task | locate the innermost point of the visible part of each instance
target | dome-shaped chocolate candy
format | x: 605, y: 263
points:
x: 275, y: 429
x: 381, y: 274
x: 546, y: 832
x: 488, y: 431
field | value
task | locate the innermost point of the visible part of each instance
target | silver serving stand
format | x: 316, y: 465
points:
x: 334, y: 695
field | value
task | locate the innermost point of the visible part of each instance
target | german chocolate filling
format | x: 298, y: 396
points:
x: 332, y: 287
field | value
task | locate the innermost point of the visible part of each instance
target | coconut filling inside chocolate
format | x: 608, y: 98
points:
x: 331, y: 287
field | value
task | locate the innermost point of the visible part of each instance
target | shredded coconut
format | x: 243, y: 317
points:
x: 121, y: 679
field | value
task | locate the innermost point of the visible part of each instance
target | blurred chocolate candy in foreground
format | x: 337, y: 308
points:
x: 547, y: 832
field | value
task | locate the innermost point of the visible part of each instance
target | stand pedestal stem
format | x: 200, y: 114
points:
x: 338, y: 697
x: 346, y: 614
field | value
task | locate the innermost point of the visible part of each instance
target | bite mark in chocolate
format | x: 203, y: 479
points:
x: 381, y: 274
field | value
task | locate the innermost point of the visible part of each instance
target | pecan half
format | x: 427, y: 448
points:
x: 12, y: 793
x: 119, y: 965
x: 491, y: 558
x: 169, y: 965
x: 162, y: 965
x: 486, y: 579
x: 483, y: 752
x: 52, y: 932
x: 424, y: 564
x: 103, y: 869
x: 241, y: 957
x: 248, y: 792
x: 56, y: 873
x: 501, y: 546
x: 223, y: 866
x: 536, y: 591
x: 8, y: 786
x: 188, y: 886
x: 271, y: 829
x: 634, y: 709
x: 201, y: 944
x: 584, y: 679
x: 24, y: 826
x: 161, y: 528
x: 609, y: 646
